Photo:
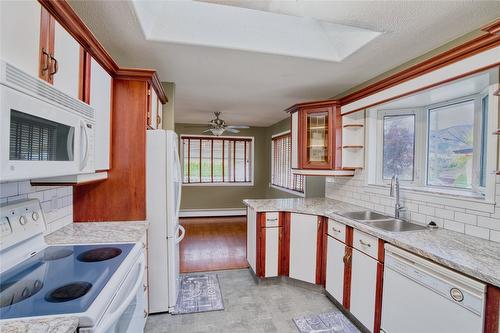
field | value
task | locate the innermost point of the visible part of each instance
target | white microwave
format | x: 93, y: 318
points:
x: 43, y: 132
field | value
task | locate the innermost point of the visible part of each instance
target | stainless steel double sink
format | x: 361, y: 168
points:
x: 383, y: 222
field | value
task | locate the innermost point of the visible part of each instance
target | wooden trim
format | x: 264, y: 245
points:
x: 261, y: 245
x: 281, y: 240
x: 324, y: 249
x: 381, y: 251
x: 378, y: 298
x: 492, y: 28
x: 85, y: 76
x: 337, y: 136
x: 348, y: 235
x: 322, y: 103
x: 346, y: 301
x: 143, y: 74
x: 319, y: 250
x: 45, y: 32
x: 470, y: 48
x: 285, y: 267
x: 492, y: 310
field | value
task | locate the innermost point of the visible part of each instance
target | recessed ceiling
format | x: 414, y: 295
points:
x: 213, y: 25
x: 254, y: 87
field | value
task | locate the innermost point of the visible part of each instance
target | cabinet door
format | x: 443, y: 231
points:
x: 363, y: 288
x: 251, y: 238
x: 303, y: 246
x: 317, y: 138
x: 66, y: 66
x: 154, y: 109
x: 273, y: 236
x: 20, y: 34
x: 100, y: 100
x: 159, y: 117
x: 335, y: 268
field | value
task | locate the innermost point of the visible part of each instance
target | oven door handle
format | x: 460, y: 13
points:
x: 111, y: 318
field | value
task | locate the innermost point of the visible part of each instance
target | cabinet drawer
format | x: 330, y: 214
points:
x: 272, y: 219
x: 337, y: 230
x: 365, y: 243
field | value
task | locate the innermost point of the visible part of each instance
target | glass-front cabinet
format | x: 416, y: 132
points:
x: 316, y: 136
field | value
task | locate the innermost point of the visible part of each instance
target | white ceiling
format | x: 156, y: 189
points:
x: 468, y: 86
x: 252, y: 87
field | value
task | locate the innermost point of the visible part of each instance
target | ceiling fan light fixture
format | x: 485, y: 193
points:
x: 217, y: 131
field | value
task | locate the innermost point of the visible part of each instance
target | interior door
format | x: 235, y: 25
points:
x: 303, y: 230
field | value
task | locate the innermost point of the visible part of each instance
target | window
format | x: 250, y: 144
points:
x: 451, y: 145
x: 281, y: 171
x: 441, y: 145
x: 399, y: 147
x: 220, y: 160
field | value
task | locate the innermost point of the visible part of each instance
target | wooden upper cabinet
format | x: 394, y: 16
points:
x: 316, y: 136
x: 22, y: 48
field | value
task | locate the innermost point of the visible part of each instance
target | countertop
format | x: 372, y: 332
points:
x: 78, y: 233
x: 470, y: 255
x: 98, y: 232
x: 42, y: 325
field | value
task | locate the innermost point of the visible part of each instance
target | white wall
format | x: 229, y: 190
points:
x: 465, y: 216
x: 56, y: 201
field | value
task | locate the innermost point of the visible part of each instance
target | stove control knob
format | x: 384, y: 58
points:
x: 23, y: 220
x: 35, y: 216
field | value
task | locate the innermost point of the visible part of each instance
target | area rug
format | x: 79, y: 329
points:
x: 328, y: 322
x: 199, y: 293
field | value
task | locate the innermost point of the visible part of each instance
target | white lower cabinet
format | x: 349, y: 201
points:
x: 363, y: 288
x: 252, y: 238
x: 335, y: 268
x: 272, y: 251
x: 303, y: 245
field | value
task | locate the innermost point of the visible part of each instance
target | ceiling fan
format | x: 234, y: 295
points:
x: 219, y: 126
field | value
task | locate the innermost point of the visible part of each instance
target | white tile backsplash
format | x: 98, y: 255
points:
x: 56, y: 201
x: 470, y: 217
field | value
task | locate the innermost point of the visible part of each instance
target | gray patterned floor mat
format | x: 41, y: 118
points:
x: 199, y: 293
x: 328, y: 322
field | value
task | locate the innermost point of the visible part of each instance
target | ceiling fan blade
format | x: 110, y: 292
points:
x: 232, y: 130
x: 196, y: 125
x: 207, y: 130
x: 237, y: 126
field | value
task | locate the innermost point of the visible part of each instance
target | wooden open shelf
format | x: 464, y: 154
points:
x: 353, y: 125
x: 353, y: 146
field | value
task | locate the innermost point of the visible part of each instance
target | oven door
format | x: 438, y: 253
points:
x: 126, y: 313
x: 39, y: 139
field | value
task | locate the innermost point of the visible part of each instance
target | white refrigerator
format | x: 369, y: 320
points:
x: 163, y: 188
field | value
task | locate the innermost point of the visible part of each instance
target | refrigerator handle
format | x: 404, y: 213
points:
x: 179, y: 178
x: 183, y: 233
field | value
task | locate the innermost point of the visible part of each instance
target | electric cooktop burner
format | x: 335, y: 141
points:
x: 16, y: 292
x: 99, y: 254
x: 69, y: 292
x: 54, y: 253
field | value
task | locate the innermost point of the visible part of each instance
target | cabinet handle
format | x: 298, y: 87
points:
x: 145, y: 314
x: 336, y: 230
x: 272, y: 220
x: 46, y: 62
x: 364, y: 243
x: 347, y: 258
x: 145, y: 287
x: 56, y: 65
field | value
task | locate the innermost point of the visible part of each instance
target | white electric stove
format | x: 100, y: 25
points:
x: 98, y: 283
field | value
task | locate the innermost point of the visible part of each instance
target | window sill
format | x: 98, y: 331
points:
x: 300, y: 194
x: 242, y: 184
x: 434, y: 192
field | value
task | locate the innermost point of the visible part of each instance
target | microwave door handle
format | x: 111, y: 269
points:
x: 83, y: 128
x: 69, y: 143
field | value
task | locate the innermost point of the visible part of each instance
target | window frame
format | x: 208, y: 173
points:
x: 222, y: 138
x: 278, y: 187
x: 421, y: 162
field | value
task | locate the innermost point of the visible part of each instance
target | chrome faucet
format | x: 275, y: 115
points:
x: 395, y: 192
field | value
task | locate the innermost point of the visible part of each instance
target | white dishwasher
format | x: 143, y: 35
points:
x: 420, y: 296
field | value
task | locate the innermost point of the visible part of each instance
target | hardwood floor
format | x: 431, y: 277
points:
x: 213, y: 243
